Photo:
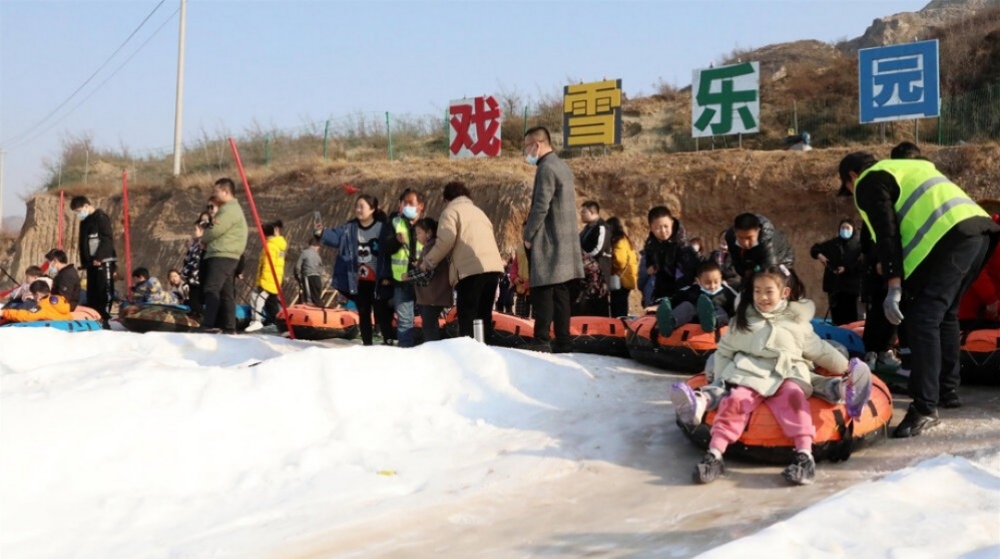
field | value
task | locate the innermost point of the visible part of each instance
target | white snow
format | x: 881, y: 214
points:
x: 942, y: 507
x: 173, y: 445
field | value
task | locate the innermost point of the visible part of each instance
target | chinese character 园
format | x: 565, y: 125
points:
x: 899, y: 82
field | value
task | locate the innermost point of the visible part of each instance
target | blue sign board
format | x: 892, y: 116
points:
x: 899, y: 82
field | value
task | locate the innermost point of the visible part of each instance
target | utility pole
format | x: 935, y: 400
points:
x: 178, y: 108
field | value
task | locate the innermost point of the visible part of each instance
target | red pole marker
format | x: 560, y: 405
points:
x: 62, y: 210
x: 263, y: 238
x: 128, y: 244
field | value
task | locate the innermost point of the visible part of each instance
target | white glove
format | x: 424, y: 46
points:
x: 891, y: 305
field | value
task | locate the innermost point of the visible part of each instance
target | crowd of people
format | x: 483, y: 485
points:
x: 911, y: 268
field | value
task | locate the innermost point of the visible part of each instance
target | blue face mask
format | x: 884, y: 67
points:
x: 707, y: 292
x: 531, y: 159
x: 81, y: 215
x: 846, y: 233
x: 410, y: 212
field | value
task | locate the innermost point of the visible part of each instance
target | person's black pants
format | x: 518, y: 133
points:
x: 195, y: 299
x: 100, y: 288
x: 218, y: 289
x: 552, y: 308
x: 843, y: 308
x: 312, y: 291
x: 431, y: 327
x: 475, y: 295
x: 366, y: 303
x: 878, y: 330
x: 619, y: 302
x: 522, y: 306
x: 931, y: 324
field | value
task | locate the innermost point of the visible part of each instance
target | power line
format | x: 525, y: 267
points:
x: 98, y: 88
x: 88, y: 80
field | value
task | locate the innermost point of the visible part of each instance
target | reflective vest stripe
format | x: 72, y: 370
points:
x: 929, y: 206
x: 936, y: 215
x: 399, y: 261
x: 917, y: 193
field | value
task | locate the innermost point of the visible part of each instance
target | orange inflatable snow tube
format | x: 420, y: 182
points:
x: 318, y: 323
x: 980, y: 356
x: 685, y: 350
x: 588, y: 334
x: 857, y: 327
x: 837, y: 435
x: 86, y: 313
x: 600, y: 335
x: 511, y: 331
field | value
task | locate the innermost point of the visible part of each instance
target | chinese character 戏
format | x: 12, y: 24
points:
x: 591, y: 113
x: 726, y: 101
x: 483, y: 116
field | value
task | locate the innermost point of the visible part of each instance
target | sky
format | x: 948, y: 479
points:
x: 283, y: 64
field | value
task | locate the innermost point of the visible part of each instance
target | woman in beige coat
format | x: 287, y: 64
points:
x: 465, y: 235
x: 767, y: 357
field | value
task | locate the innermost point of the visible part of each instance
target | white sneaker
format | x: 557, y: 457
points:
x: 689, y: 404
x: 254, y: 326
x: 857, y: 387
x: 888, y: 359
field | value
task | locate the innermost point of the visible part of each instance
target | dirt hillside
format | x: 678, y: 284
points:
x: 795, y: 190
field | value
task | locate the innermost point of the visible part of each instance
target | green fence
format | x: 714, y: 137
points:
x: 970, y: 117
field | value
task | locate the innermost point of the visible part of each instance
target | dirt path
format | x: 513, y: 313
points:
x: 642, y: 504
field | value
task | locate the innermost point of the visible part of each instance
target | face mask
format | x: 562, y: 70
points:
x: 846, y: 233
x: 531, y: 159
x: 81, y: 215
x: 52, y: 271
x: 707, y: 292
x: 410, y: 212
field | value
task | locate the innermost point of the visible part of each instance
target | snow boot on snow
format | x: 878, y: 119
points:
x: 802, y: 471
x: 709, y: 469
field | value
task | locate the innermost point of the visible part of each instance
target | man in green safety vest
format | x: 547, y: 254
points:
x: 932, y: 240
x: 405, y: 249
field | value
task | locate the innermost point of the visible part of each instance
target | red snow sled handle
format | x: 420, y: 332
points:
x: 128, y: 238
x: 263, y: 238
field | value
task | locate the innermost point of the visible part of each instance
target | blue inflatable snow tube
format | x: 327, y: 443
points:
x: 64, y: 325
x: 854, y: 344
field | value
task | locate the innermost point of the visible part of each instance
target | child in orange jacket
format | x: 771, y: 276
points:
x: 50, y: 307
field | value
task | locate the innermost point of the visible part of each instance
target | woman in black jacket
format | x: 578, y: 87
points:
x: 843, y: 271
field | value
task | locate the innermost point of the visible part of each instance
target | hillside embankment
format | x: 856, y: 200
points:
x: 706, y: 190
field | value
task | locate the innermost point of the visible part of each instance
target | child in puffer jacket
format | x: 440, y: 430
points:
x: 766, y: 357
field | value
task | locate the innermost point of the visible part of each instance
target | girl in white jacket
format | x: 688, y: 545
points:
x: 767, y: 357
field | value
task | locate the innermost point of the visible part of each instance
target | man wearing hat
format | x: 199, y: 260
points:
x: 932, y: 240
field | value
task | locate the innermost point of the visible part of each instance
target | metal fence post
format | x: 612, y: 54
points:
x: 388, y: 131
x: 795, y: 115
x: 326, y: 137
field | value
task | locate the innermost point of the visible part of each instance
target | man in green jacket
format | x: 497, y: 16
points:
x: 224, y: 244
